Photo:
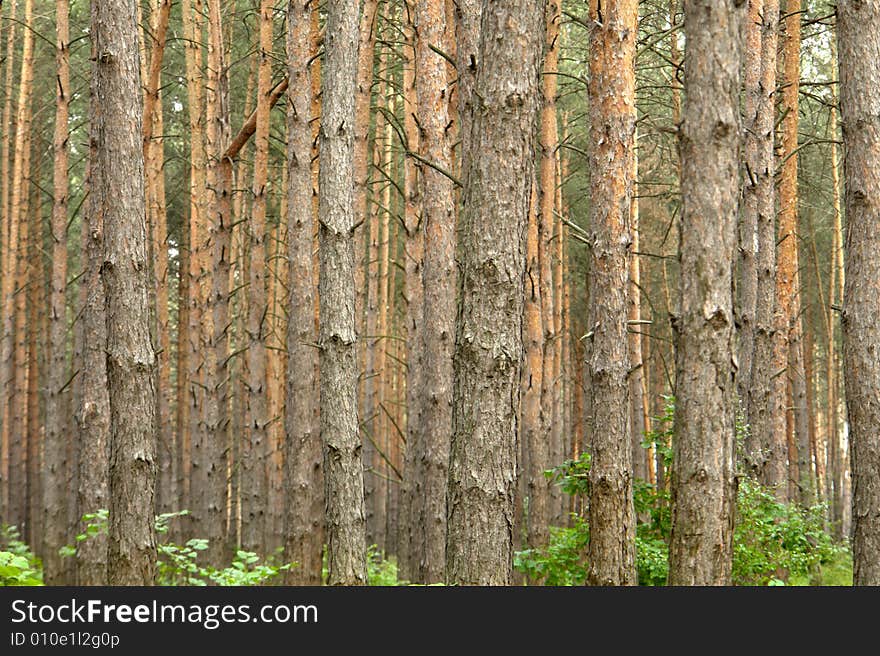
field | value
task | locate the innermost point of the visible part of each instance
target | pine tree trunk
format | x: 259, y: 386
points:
x: 703, y: 486
x: 414, y: 250
x: 763, y: 456
x: 498, y: 152
x: 54, y: 490
x: 124, y: 274
x: 859, y: 43
x: 343, y: 468
x: 303, y: 483
x: 612, y: 149
x: 439, y: 280
x: 255, y: 445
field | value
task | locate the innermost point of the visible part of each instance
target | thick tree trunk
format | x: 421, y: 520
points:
x: 859, y: 43
x: 703, y: 486
x: 303, y: 484
x: 498, y: 151
x: 124, y: 273
x: 612, y: 149
x: 343, y: 468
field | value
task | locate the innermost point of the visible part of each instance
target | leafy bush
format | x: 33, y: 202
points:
x: 18, y: 565
x: 773, y: 541
x: 381, y: 571
x: 179, y: 564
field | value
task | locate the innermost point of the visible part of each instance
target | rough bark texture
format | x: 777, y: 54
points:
x: 213, y: 497
x: 761, y: 460
x: 124, y: 273
x: 859, y: 44
x: 255, y: 445
x: 437, y: 334
x: 703, y: 487
x: 747, y: 279
x: 343, y: 470
x: 492, y: 260
x: 303, y: 484
x: 16, y: 221
x: 414, y: 249
x: 612, y: 148
x: 789, y: 393
x: 57, y: 393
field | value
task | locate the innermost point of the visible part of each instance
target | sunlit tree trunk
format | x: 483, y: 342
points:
x: 612, y: 149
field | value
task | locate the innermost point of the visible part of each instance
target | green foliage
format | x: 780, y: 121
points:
x: 572, y: 476
x: 773, y: 541
x: 179, y: 564
x: 660, y: 437
x: 18, y: 565
x: 563, y: 561
x: 381, y: 571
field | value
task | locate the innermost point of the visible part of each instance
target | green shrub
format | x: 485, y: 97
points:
x: 18, y: 564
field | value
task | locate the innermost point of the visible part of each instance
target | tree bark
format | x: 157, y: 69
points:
x: 124, y: 273
x: 764, y: 458
x: 859, y: 43
x: 703, y: 486
x: 612, y: 148
x: 303, y: 484
x: 57, y: 393
x: 498, y: 151
x: 343, y: 468
x: 439, y: 280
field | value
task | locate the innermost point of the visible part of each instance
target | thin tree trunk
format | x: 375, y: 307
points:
x: 255, y: 444
x: 703, y: 486
x: 54, y: 490
x: 414, y: 252
x: 303, y: 484
x: 439, y: 280
x: 764, y: 457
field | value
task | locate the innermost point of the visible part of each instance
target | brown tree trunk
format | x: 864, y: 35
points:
x: 124, y: 273
x: 255, y: 445
x: 764, y: 457
x: 16, y: 219
x: 612, y: 149
x: 747, y: 279
x: 439, y: 280
x: 859, y: 43
x: 303, y: 483
x: 703, y: 486
x: 788, y: 346
x: 54, y: 490
x: 414, y: 250
x: 343, y: 468
x: 498, y: 151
